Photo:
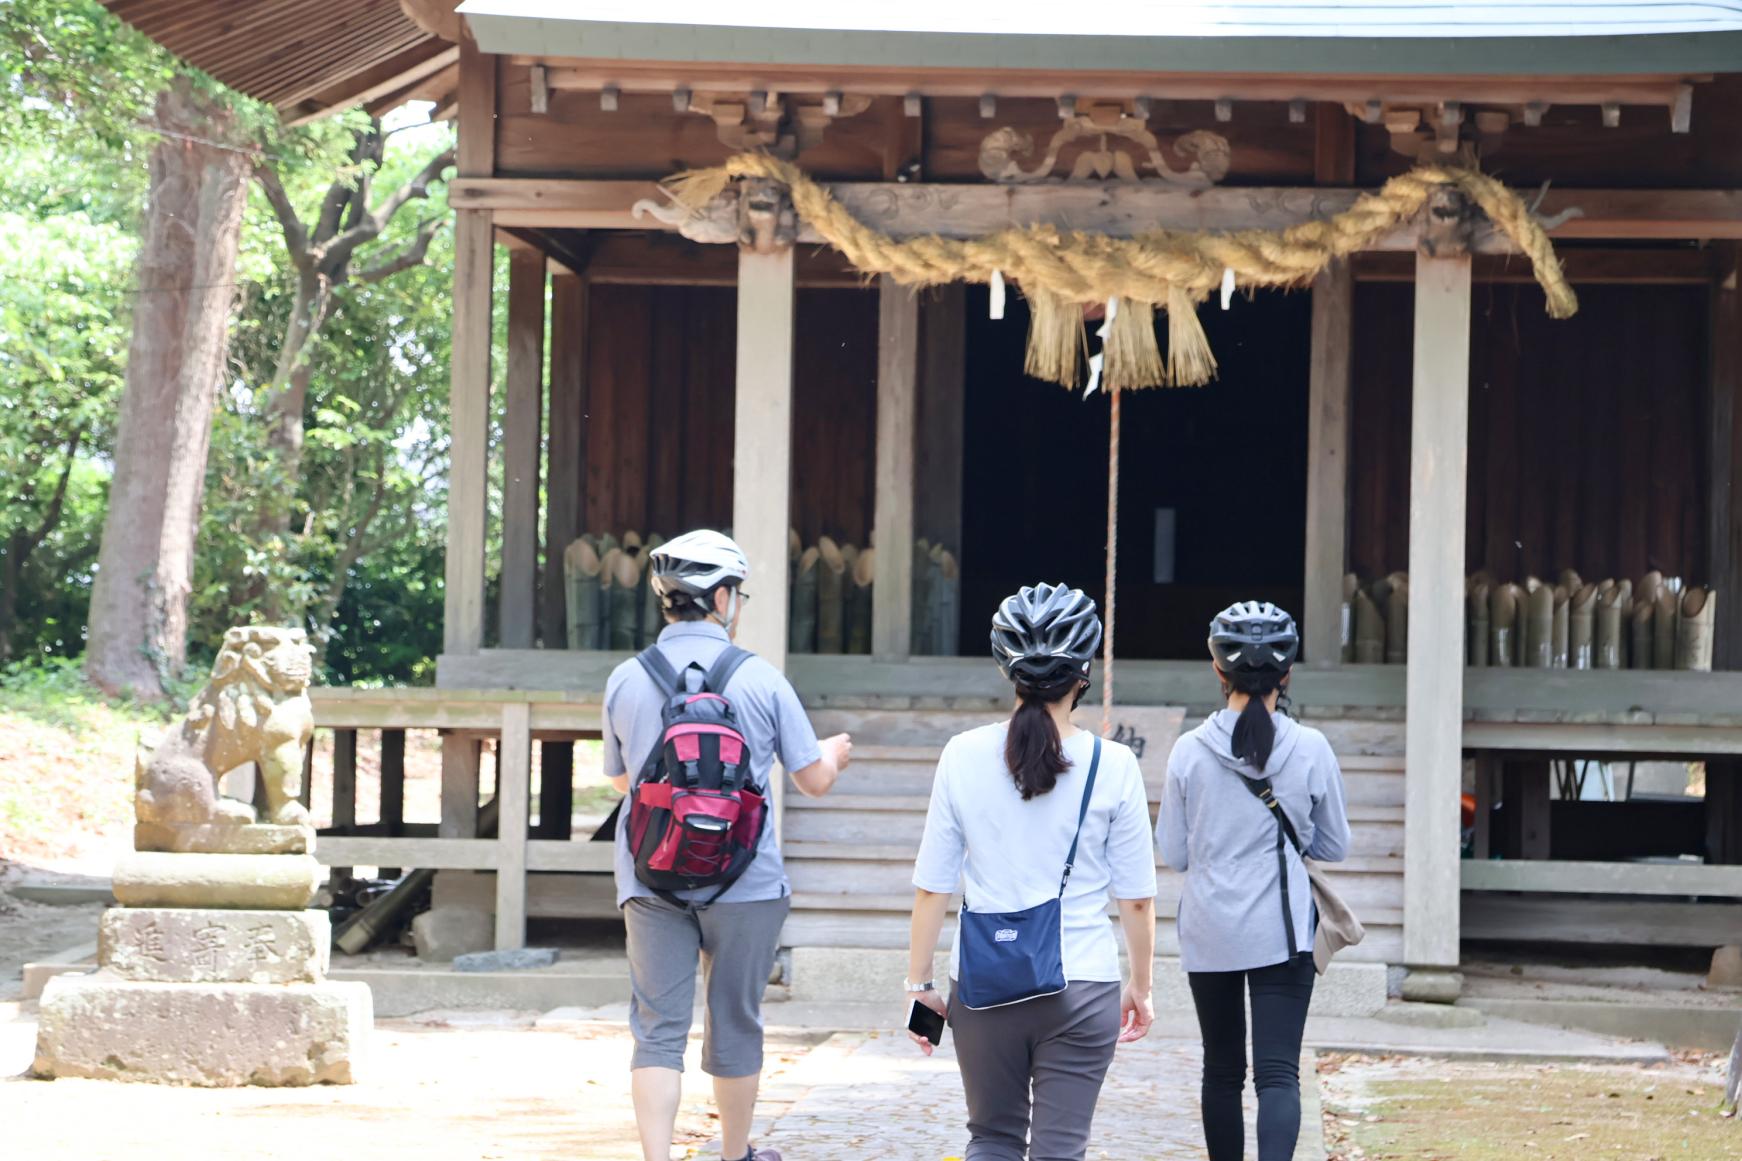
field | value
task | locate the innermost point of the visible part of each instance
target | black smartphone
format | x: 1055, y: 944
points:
x: 922, y: 1021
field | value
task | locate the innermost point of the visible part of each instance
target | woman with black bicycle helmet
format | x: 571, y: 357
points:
x: 1246, y: 917
x: 1038, y: 822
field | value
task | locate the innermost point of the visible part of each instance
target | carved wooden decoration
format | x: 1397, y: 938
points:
x: 781, y: 124
x: 756, y: 213
x: 1121, y: 149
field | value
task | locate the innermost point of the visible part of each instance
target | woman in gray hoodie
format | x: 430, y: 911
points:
x: 1246, y: 916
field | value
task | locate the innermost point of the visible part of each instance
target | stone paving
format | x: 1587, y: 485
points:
x: 510, y: 1086
x: 871, y: 1096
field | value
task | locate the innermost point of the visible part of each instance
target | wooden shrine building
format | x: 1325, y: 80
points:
x: 1388, y: 452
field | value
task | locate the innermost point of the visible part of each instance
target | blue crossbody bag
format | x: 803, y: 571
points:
x: 1006, y: 957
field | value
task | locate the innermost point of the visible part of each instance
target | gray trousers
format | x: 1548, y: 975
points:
x: 1056, y: 1048
x: 734, y: 945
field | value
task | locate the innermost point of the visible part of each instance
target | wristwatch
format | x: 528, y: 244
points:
x: 915, y: 989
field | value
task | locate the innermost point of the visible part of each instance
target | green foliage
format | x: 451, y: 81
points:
x: 63, y: 348
x: 362, y: 563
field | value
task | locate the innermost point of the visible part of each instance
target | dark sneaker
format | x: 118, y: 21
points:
x: 764, y: 1154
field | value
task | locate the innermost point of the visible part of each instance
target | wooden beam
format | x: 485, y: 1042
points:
x: 513, y: 791
x: 477, y: 97
x: 566, y: 449
x: 892, y: 524
x: 1327, y: 502
x: 915, y: 209
x: 1640, y: 740
x: 1683, y: 266
x: 643, y: 258
x: 762, y: 453
x: 522, y: 443
x: 468, y: 854
x: 1439, y: 423
x: 1646, y: 922
x: 942, y: 416
x: 1114, y: 84
x: 1601, y: 878
x: 469, y: 417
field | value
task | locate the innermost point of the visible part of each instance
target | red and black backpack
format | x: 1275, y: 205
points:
x: 694, y: 820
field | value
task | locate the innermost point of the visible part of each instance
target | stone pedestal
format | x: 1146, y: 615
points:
x: 103, y: 1027
x: 213, y: 974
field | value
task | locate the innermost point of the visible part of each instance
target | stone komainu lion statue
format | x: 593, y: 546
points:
x: 254, y: 708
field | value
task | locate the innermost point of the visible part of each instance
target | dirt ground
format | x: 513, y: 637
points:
x: 481, y: 1087
x: 1378, y: 1109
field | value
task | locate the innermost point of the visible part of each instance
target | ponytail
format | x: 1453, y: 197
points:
x: 1032, y: 748
x: 1254, y: 731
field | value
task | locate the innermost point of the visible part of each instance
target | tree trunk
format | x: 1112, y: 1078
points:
x: 186, y: 274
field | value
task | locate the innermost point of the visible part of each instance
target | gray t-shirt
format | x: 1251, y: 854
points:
x: 769, y: 714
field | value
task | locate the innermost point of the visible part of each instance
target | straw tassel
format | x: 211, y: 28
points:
x: 1055, y: 339
x: 1132, y: 356
x: 1190, y: 362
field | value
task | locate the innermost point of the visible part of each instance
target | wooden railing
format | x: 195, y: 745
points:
x: 515, y: 718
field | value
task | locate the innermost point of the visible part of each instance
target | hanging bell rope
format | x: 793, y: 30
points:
x: 1171, y: 270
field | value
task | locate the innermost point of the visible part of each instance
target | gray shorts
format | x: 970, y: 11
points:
x: 734, y: 943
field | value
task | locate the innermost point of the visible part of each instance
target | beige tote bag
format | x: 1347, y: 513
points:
x: 1338, y: 927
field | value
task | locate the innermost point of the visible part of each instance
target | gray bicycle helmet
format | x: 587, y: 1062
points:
x: 1254, y: 637
x: 1045, y: 633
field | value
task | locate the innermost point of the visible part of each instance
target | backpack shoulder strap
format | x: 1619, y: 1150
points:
x: 725, y: 665
x: 659, y: 669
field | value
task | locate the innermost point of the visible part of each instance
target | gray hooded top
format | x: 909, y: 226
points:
x: 1216, y: 830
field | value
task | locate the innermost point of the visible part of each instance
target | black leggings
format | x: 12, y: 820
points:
x: 1280, y: 994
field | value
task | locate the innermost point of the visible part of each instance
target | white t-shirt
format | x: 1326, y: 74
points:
x: 1009, y: 854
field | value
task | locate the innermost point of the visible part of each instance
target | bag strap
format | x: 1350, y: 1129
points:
x: 1082, y: 813
x: 725, y: 665
x: 659, y: 669
x: 1262, y: 790
x: 1265, y: 793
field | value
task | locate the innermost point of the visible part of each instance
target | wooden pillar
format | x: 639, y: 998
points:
x: 1433, y: 758
x: 762, y: 457
x: 566, y: 453
x: 1327, y: 506
x: 392, y: 811
x: 513, y: 791
x: 762, y: 445
x: 1724, y: 456
x: 897, y: 387
x: 521, y: 444
x: 556, y: 789
x: 393, y: 782
x: 344, y: 789
x: 469, y: 362
x: 942, y: 416
x: 461, y: 757
x: 469, y: 415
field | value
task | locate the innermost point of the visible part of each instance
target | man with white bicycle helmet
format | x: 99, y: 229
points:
x: 699, y: 579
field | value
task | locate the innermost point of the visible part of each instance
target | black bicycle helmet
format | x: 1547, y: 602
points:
x: 1254, y: 637
x: 1044, y: 634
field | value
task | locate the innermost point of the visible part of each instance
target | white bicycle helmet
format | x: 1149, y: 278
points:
x: 687, y: 569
